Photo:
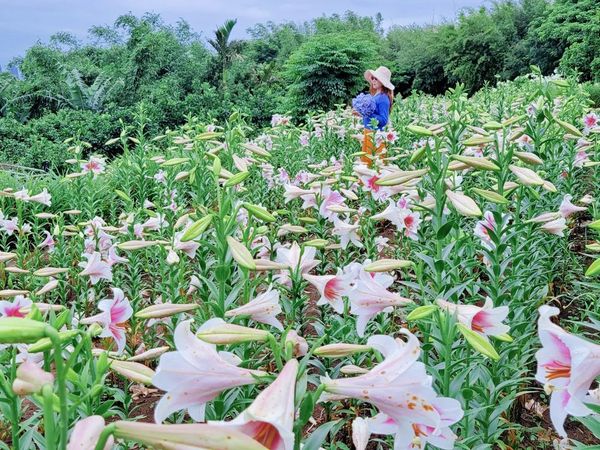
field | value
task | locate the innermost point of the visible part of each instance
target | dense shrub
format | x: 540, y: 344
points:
x: 328, y: 69
x: 39, y: 142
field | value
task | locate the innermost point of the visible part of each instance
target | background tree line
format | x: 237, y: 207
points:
x: 84, y: 89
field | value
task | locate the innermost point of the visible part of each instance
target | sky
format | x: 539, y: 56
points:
x: 25, y: 22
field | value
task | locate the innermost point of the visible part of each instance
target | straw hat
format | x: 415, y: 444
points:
x: 383, y: 74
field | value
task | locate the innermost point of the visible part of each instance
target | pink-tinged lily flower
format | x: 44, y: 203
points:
x: 292, y: 192
x: 23, y: 195
x: 161, y: 176
x: 304, y: 138
x: 410, y: 223
x: 10, y: 225
x: 590, y: 121
x: 43, y: 197
x: 299, y: 344
x: 399, y: 386
x: 331, y: 288
x: 485, y: 320
x: 48, y: 242
x: 155, y: 223
x: 296, y: 259
x: 31, y: 379
x: 347, y: 233
x: 194, y: 374
x: 95, y: 268
x: 269, y: 420
x: 410, y: 436
x: 581, y: 157
x: 113, y: 258
x: 264, y: 308
x: 483, y: 228
x: 330, y: 198
x: 369, y: 298
x: 555, y: 227
x: 354, y: 271
x: 12, y: 309
x: 402, y: 217
x: 381, y: 243
x: 95, y: 165
x: 189, y: 247
x: 567, y: 208
x: 138, y: 230
x: 86, y: 433
x: 567, y: 366
x: 115, y: 312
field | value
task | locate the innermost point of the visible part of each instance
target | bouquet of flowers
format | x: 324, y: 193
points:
x: 364, y: 104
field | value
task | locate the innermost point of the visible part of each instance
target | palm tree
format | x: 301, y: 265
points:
x: 92, y: 97
x: 226, y: 50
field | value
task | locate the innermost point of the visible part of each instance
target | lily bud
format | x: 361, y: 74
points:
x: 491, y: 196
x: 6, y: 256
x: 317, y: 243
x: 340, y: 350
x: 165, y: 310
x: 360, y: 433
x: 31, y: 379
x: 49, y: 286
x: 189, y: 436
x: 49, y: 271
x: 421, y: 312
x: 463, y: 204
x: 419, y: 130
x: 478, y: 342
x: 267, y: 264
x: 256, y: 149
x: 529, y: 158
x: 15, y: 330
x: 174, y: 162
x: 13, y: 292
x: 287, y: 228
x: 478, y: 140
x: 226, y: 333
x: 241, y: 254
x: 526, y: 176
x: 351, y: 369
x: 259, y: 212
x: 86, y: 433
x: 182, y: 175
x: 387, y: 265
x: 197, y: 228
x: 237, y: 179
x: 133, y: 371
x: 153, y: 353
x: 594, y: 269
x: 481, y: 163
x: 136, y: 245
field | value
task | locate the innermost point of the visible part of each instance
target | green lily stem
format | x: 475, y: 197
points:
x: 49, y: 426
x: 61, y: 376
x: 276, y: 351
x: 106, y: 433
x: 13, y: 401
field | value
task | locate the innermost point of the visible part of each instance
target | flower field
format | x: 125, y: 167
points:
x: 220, y: 287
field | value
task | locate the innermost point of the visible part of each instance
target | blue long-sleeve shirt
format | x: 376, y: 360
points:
x: 382, y: 112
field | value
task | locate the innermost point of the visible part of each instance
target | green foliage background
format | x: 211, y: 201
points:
x: 83, y: 90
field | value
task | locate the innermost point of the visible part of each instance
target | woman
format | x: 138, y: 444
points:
x: 382, y: 90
